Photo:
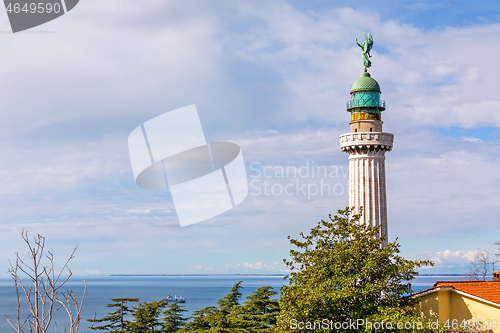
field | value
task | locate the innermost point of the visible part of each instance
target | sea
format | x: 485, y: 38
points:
x: 200, y: 291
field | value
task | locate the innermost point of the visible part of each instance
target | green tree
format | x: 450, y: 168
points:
x: 201, y: 320
x: 173, y: 319
x: 258, y: 314
x: 401, y: 320
x: 341, y: 272
x: 219, y: 320
x: 146, y: 317
x: 114, y: 320
x: 231, y: 299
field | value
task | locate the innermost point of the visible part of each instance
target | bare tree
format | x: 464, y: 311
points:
x: 42, y: 295
x: 497, y: 255
x: 480, y: 265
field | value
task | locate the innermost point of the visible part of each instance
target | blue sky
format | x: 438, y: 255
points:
x: 274, y: 78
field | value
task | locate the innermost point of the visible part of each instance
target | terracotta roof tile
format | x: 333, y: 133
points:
x: 488, y: 290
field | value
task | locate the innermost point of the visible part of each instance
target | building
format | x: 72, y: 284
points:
x: 474, y: 303
x: 366, y: 145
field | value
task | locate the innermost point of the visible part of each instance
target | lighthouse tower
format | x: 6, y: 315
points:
x: 366, y: 145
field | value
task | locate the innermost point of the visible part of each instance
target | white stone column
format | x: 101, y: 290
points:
x: 367, y: 175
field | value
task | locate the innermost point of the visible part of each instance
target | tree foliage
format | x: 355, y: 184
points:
x: 146, y: 317
x: 220, y: 319
x: 173, y: 319
x: 258, y: 312
x: 401, y: 320
x: 201, y: 320
x: 114, y: 322
x: 232, y: 299
x: 341, y: 271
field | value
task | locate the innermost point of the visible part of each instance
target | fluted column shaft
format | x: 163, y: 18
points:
x: 367, y: 175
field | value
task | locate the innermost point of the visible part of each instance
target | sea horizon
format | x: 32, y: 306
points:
x: 200, y: 290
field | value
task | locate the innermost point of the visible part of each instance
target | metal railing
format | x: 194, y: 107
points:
x: 352, y: 104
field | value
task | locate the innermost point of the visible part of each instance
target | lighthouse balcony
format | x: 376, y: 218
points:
x: 366, y: 141
x: 370, y: 103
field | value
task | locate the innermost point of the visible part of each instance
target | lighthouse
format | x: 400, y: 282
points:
x: 366, y: 145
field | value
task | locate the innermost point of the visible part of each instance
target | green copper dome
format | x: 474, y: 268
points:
x: 365, y: 83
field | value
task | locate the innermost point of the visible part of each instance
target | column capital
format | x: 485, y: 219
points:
x: 366, y: 143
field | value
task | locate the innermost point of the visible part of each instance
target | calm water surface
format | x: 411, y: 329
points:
x: 199, y: 291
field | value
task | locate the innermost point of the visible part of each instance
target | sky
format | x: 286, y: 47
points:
x: 272, y: 77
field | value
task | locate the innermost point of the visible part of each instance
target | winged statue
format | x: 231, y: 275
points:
x: 365, y: 50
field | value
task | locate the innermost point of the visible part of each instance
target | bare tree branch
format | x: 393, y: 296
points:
x: 43, y: 293
x: 480, y: 266
x: 497, y: 243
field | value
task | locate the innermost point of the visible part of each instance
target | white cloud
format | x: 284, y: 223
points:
x: 257, y: 265
x: 200, y: 269
x: 452, y: 257
x: 285, y: 67
x: 263, y: 74
x: 425, y: 6
x: 148, y: 208
x: 87, y: 272
x: 58, y: 167
x: 469, y: 139
x: 438, y: 173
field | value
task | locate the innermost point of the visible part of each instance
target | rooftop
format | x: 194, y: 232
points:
x: 365, y: 83
x: 487, y: 290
